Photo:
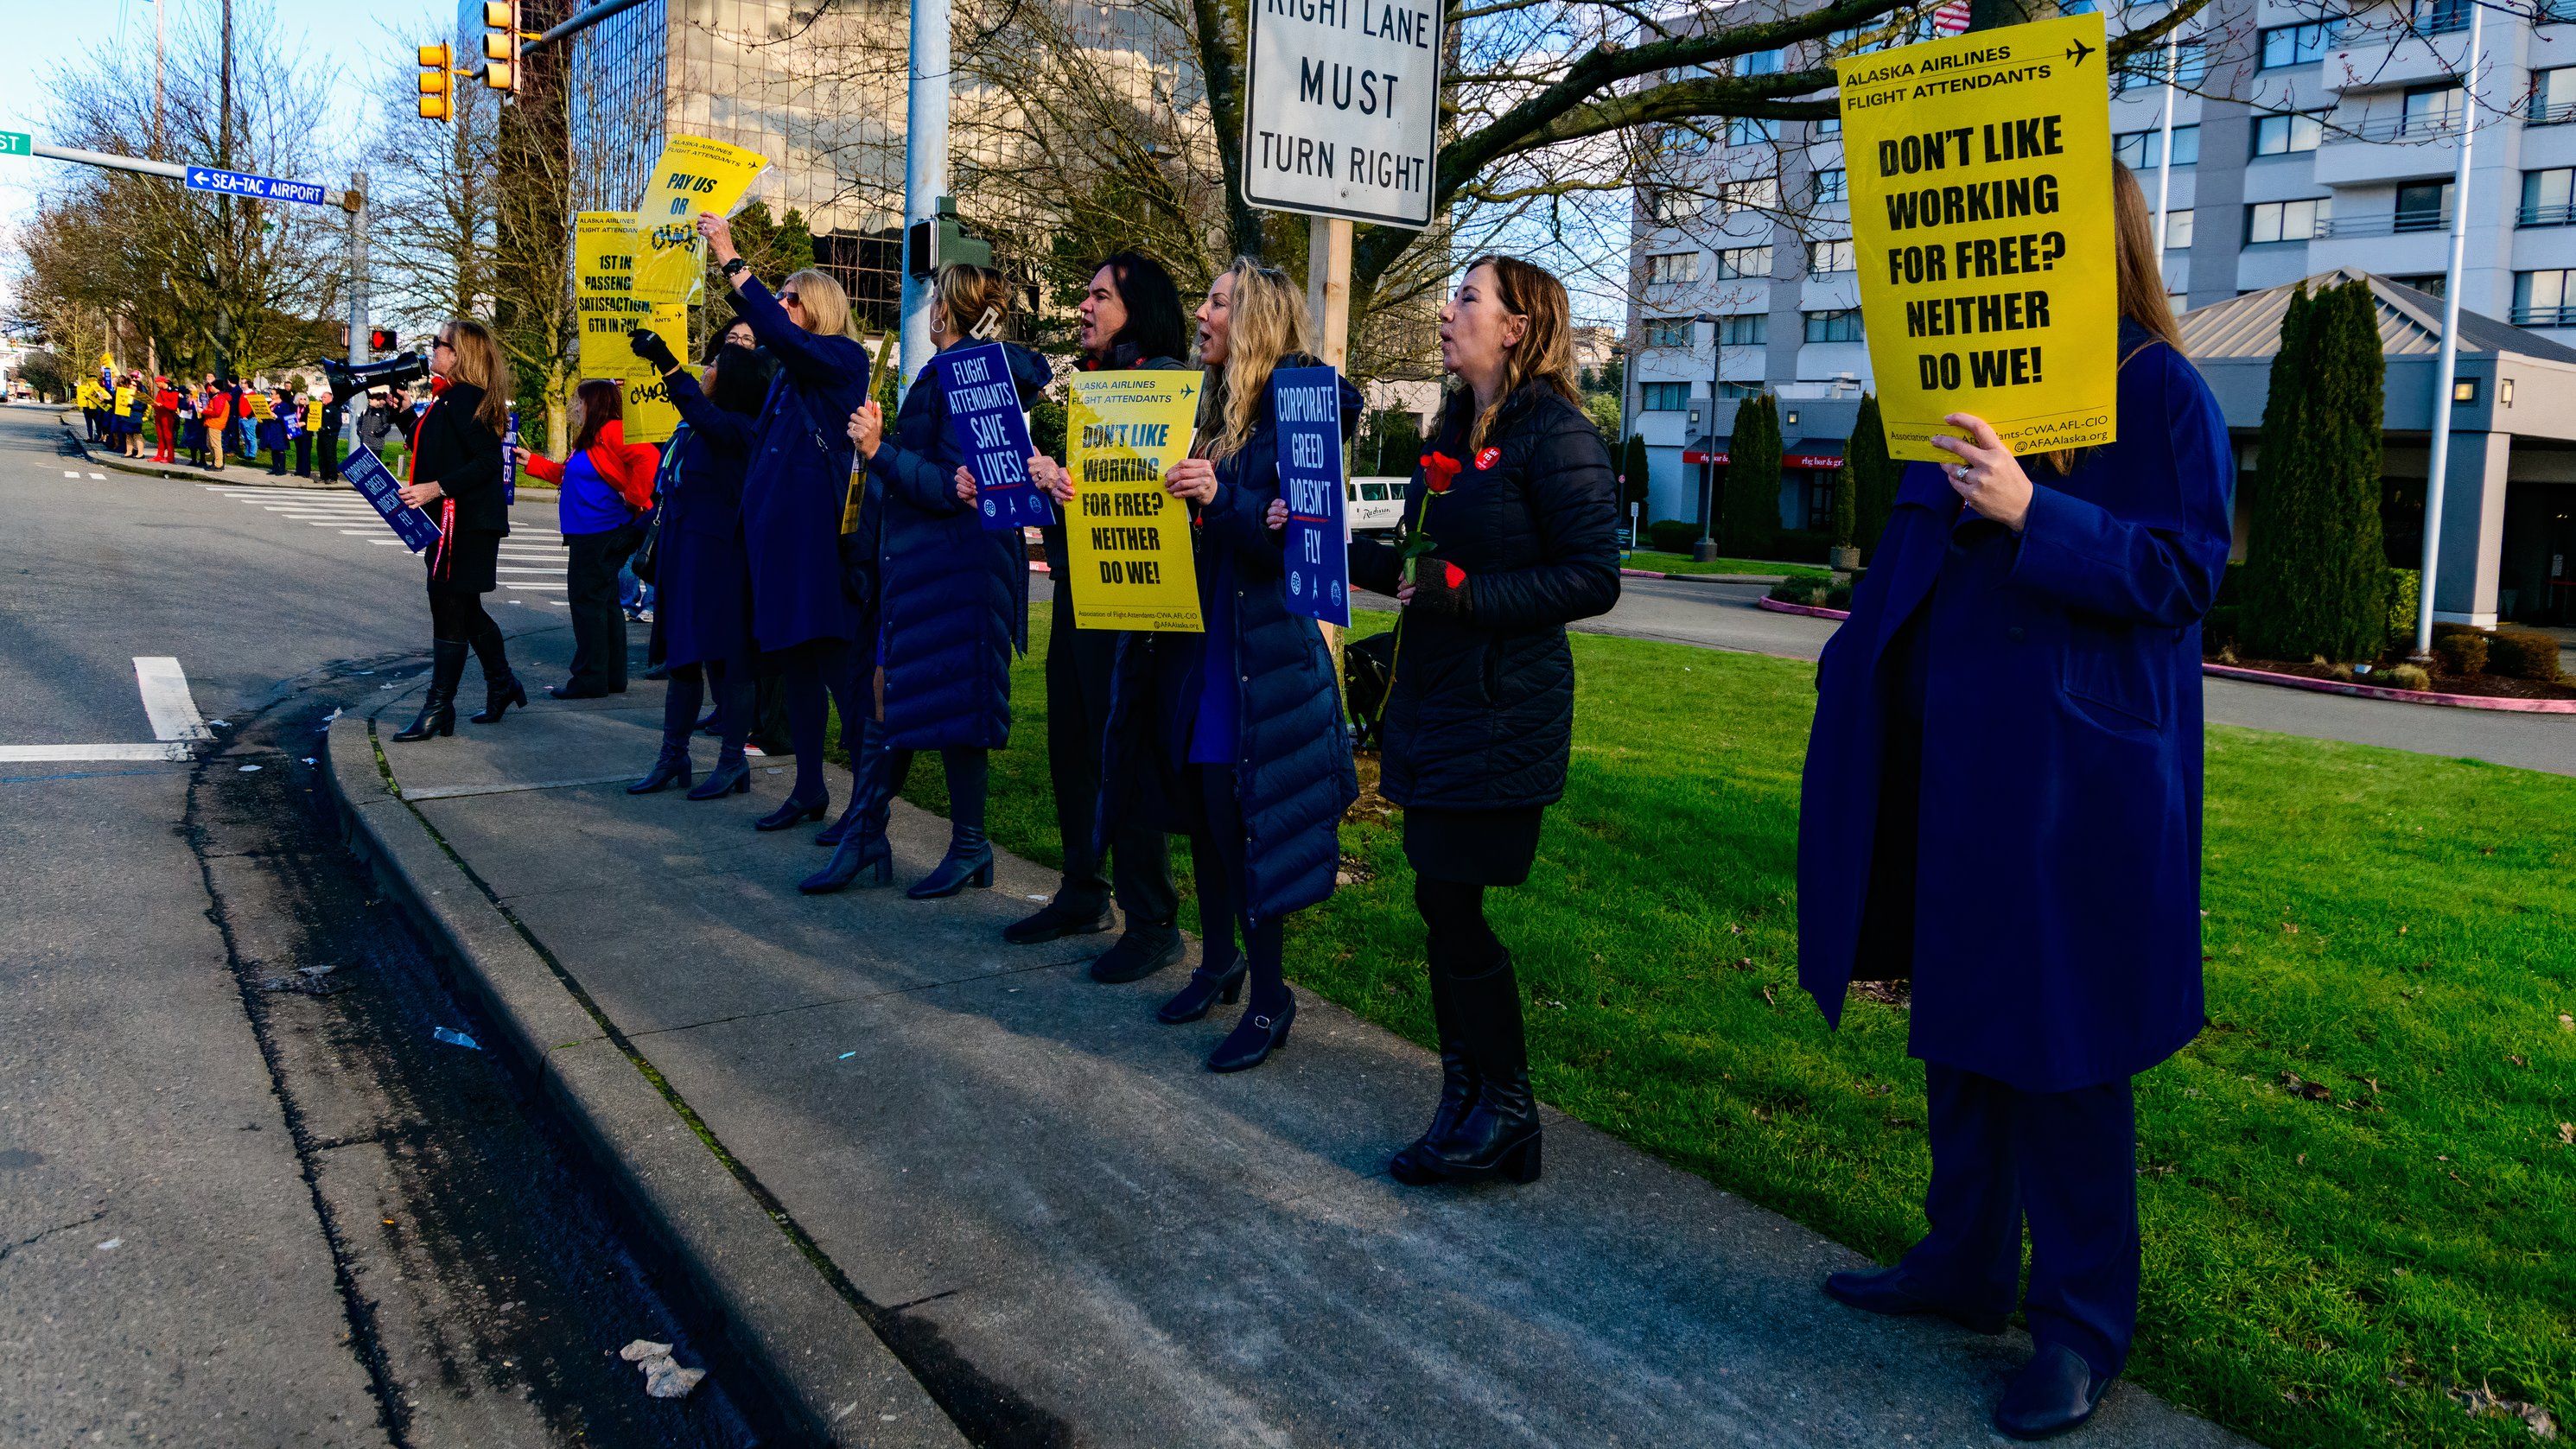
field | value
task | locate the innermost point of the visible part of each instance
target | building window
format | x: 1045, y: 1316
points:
x: 1664, y: 397
x: 1749, y: 193
x: 2280, y: 221
x: 2544, y: 299
x: 1831, y: 186
x: 2553, y: 96
x: 1817, y: 491
x: 2546, y: 195
x: 1825, y: 258
x: 1829, y: 126
x: 2178, y: 230
x: 2424, y: 208
x: 1665, y: 207
x: 2431, y: 110
x: 1751, y: 131
x: 2430, y: 284
x: 2441, y: 17
x: 1681, y: 141
x: 1837, y: 326
x: 1741, y: 263
x: 2145, y: 150
x: 1727, y: 390
x: 1669, y: 332
x: 1672, y: 267
x: 2191, y: 67
x: 1747, y: 329
x: 2288, y: 133
x: 1758, y: 62
x: 2297, y: 44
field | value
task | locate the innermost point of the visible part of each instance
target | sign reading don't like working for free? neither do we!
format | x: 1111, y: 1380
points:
x: 1980, y: 174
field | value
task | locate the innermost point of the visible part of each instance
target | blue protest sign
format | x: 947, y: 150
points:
x: 985, y: 423
x: 510, y: 462
x: 1308, y: 403
x: 258, y: 188
x: 367, y: 473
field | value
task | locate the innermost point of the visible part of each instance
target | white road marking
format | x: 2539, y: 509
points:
x: 98, y: 475
x: 387, y: 542
x: 360, y: 533
x: 505, y: 583
x: 508, y: 569
x: 71, y: 754
x: 71, y: 472
x: 166, y: 700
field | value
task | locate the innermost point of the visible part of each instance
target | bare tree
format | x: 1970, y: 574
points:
x: 433, y: 202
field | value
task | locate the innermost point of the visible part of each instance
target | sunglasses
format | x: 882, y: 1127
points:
x: 439, y: 342
x: 789, y: 299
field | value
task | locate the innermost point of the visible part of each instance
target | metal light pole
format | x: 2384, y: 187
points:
x: 355, y: 203
x: 925, y: 166
x: 2448, y: 368
x: 1705, y: 549
x: 2164, y: 172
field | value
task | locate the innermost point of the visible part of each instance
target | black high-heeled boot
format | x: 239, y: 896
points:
x: 731, y: 776
x: 969, y: 862
x: 501, y: 687
x: 862, y: 847
x: 793, y: 811
x: 1254, y: 1038
x: 1457, y: 1086
x: 1203, y: 991
x: 1498, y: 1136
x: 438, y: 703
x: 673, y: 768
x: 831, y: 835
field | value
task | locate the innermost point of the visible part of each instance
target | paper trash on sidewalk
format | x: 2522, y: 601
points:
x: 663, y: 1378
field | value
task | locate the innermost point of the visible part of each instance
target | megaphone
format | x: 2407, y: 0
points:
x: 348, y: 381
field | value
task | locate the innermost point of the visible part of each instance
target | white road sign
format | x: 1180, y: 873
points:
x: 1345, y: 108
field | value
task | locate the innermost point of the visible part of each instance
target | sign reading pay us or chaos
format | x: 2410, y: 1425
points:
x: 1128, y: 540
x: 693, y: 174
x: 1980, y: 174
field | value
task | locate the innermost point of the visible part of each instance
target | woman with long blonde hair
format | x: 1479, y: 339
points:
x: 2021, y: 672
x: 1514, y: 511
x: 453, y: 469
x: 803, y: 620
x: 1234, y: 736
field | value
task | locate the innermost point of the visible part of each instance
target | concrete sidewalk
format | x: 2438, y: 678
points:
x: 949, y: 1189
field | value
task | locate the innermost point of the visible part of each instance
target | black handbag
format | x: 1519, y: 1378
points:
x: 648, y: 554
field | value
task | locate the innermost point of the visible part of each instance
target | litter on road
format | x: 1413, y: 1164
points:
x: 663, y: 1377
x: 453, y: 1037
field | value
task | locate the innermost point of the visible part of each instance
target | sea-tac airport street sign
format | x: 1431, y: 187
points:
x: 1345, y: 108
x: 257, y: 188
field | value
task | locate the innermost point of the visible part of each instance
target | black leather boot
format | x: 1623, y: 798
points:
x: 1498, y: 1136
x: 1457, y: 1086
x: 501, y: 688
x: 731, y: 776
x: 438, y: 705
x: 862, y: 848
x: 673, y: 768
x: 969, y: 862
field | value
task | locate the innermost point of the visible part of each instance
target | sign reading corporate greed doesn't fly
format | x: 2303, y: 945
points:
x: 1980, y: 174
x: 1344, y: 112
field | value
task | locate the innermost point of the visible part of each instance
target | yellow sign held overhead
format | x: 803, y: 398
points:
x: 692, y: 175
x: 1980, y: 173
x: 1129, y: 540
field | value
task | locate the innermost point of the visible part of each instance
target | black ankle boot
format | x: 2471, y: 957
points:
x: 793, y: 811
x: 859, y: 853
x: 501, y: 688
x: 1205, y: 989
x: 731, y: 776
x: 438, y: 704
x: 1254, y: 1038
x: 1498, y: 1136
x: 673, y: 768
x: 831, y: 835
x: 1457, y: 1086
x: 969, y: 862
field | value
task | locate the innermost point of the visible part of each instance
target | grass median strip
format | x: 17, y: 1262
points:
x: 2358, y: 1185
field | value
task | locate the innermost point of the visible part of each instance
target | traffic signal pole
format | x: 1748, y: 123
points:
x: 354, y: 201
x: 925, y: 168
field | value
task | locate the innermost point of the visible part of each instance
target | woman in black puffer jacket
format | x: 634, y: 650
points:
x: 1517, y: 503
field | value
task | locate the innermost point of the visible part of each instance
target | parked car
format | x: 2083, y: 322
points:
x: 1375, y: 505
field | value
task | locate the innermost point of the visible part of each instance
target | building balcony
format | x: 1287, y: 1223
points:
x: 2385, y: 224
x: 2545, y: 216
x: 2385, y: 149
x: 2538, y: 112
x: 2544, y: 316
x: 2394, y: 56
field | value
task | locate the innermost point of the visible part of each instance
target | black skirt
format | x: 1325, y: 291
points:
x: 1472, y: 847
x: 467, y: 562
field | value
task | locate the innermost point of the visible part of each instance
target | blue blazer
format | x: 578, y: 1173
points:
x: 798, y: 478
x: 950, y: 596
x: 2054, y: 931
x: 702, y: 580
x: 1293, y: 777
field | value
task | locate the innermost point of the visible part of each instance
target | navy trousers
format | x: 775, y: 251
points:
x: 2065, y: 1163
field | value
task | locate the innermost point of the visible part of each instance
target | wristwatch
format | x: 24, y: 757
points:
x: 734, y: 268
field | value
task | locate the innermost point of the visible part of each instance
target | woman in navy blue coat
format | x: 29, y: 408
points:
x: 1235, y: 736
x: 701, y: 574
x: 793, y: 492
x: 950, y: 605
x: 2002, y: 804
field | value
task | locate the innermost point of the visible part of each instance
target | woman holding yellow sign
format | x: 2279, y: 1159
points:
x: 802, y: 620
x: 2002, y: 804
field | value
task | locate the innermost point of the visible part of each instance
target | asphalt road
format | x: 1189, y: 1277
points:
x: 246, y: 1196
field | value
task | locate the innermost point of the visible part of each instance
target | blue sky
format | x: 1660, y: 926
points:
x: 337, y: 37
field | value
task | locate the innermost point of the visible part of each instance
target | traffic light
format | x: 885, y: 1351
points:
x: 941, y: 240
x: 501, y: 44
x: 433, y: 82
x: 381, y: 340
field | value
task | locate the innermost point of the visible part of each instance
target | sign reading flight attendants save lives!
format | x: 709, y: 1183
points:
x: 1980, y: 172
x: 985, y: 421
x: 1307, y: 401
x: 1344, y: 110
x: 1128, y: 540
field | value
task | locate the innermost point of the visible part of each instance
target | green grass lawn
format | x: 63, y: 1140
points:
x: 2359, y: 1204
x: 1682, y: 563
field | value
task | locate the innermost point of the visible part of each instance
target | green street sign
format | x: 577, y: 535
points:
x: 17, y: 143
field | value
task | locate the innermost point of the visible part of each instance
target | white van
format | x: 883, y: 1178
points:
x: 1375, y: 505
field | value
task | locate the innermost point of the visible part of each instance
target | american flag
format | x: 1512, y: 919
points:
x: 1951, y: 18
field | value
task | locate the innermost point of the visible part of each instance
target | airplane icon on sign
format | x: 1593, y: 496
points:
x: 2077, y: 52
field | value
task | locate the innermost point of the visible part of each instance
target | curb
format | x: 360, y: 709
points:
x: 774, y: 1298
x: 258, y: 478
x: 1704, y: 578
x: 2296, y: 681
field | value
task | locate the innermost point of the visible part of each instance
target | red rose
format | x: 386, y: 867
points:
x: 1439, y: 470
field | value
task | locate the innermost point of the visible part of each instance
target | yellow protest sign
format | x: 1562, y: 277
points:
x: 260, y: 407
x: 650, y: 417
x: 1129, y: 540
x: 692, y: 175
x: 1980, y: 173
x: 605, y: 302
